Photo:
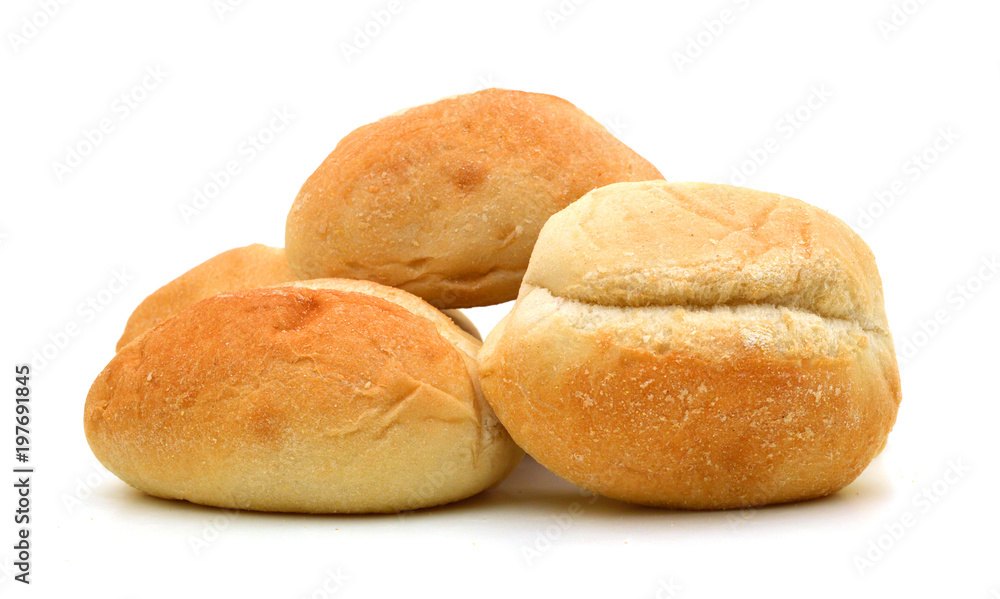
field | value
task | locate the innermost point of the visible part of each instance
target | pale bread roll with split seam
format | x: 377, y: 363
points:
x: 445, y: 200
x: 318, y: 397
x: 697, y: 346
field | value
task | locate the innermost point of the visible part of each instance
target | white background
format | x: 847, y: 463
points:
x: 887, y: 93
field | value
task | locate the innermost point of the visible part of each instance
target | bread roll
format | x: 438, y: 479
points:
x: 445, y: 200
x: 697, y: 346
x: 315, y: 397
x: 240, y: 268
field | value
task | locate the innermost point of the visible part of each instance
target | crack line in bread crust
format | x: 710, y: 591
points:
x: 707, y: 307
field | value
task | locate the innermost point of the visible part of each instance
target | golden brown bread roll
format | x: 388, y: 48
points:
x: 445, y: 200
x: 313, y: 397
x: 240, y: 268
x: 697, y: 346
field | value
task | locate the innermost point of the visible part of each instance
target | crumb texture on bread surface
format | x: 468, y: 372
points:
x: 445, y: 200
x: 696, y: 346
x: 299, y: 399
x: 245, y: 267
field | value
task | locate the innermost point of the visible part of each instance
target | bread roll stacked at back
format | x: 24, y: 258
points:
x: 239, y: 268
x: 445, y: 200
x: 322, y: 396
x: 697, y: 346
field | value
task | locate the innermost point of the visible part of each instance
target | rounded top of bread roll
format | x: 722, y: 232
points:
x: 700, y: 244
x: 445, y: 200
x: 307, y: 398
x: 239, y: 268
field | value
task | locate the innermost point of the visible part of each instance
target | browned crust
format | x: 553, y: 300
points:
x: 297, y: 399
x: 453, y: 325
x: 445, y: 200
x: 239, y: 268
